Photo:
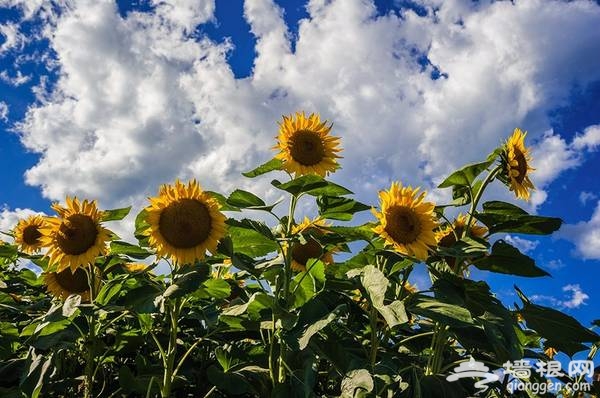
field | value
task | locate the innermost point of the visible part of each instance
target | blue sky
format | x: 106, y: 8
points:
x: 108, y: 101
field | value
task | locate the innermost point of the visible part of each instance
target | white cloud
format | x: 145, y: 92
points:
x: 12, y: 38
x: 555, y: 264
x: 141, y: 100
x: 15, y: 81
x: 574, y: 298
x: 590, y: 139
x: 585, y: 196
x: 578, y: 297
x: 585, y: 235
x: 3, y: 111
x: 524, y: 245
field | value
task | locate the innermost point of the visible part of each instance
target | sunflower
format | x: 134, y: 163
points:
x: 75, y: 238
x: 405, y: 221
x: 302, y: 252
x: 66, y: 282
x: 306, y: 146
x: 516, y: 160
x: 184, y: 222
x: 447, y: 235
x: 27, y: 234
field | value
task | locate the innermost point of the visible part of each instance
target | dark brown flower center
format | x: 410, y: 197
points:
x: 185, y: 224
x: 521, y: 166
x: 307, y: 148
x: 73, y: 282
x: 302, y: 252
x: 403, y: 224
x: 77, y: 234
x: 450, y: 238
x: 31, y: 235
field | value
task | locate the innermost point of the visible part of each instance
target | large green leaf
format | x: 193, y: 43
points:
x: 376, y: 284
x: 257, y: 226
x: 339, y: 208
x: 247, y: 200
x: 257, y: 303
x: 115, y: 214
x: 466, y: 175
x: 312, y: 185
x: 271, y: 165
x: 134, y: 251
x: 434, y: 308
x: 507, y: 259
x: 251, y: 243
x: 559, y: 328
x: 358, y: 383
x: 505, y: 217
x: 222, y: 201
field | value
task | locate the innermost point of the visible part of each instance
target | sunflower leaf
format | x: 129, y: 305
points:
x: 247, y: 200
x: 339, y: 208
x: 505, y: 217
x: 465, y: 175
x: 120, y: 247
x: 271, y: 165
x: 562, y: 329
x: 222, y: 201
x: 376, y: 284
x: 312, y: 185
x: 507, y: 259
x: 115, y: 214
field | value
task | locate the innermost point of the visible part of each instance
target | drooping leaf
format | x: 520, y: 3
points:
x: 376, y: 284
x: 339, y: 208
x: 507, y: 259
x: 312, y: 185
x: 115, y: 214
x: 505, y: 217
x: 247, y: 200
x: 134, y: 251
x: 271, y: 165
x: 559, y: 328
x: 438, y: 310
x: 465, y: 175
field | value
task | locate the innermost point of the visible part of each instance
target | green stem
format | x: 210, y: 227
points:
x: 374, y: 339
x: 488, y: 179
x: 171, y: 353
x: 90, y: 340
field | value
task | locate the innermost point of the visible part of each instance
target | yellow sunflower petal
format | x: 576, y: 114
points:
x: 76, y: 237
x: 517, y: 165
x: 184, y: 222
x: 405, y: 221
x: 28, y: 233
x: 305, y: 145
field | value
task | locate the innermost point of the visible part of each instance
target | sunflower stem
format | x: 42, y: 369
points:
x: 171, y: 353
x: 488, y: 179
x: 90, y: 340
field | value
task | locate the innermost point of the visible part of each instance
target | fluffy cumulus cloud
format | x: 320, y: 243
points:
x: 585, y: 235
x: 142, y: 99
x: 573, y: 297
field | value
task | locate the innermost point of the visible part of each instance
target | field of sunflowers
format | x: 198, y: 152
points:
x: 277, y: 305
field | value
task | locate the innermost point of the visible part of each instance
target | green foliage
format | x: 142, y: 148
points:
x: 244, y: 322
